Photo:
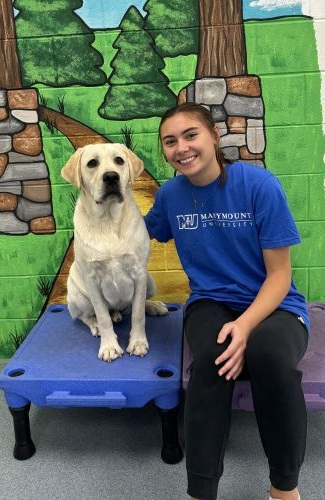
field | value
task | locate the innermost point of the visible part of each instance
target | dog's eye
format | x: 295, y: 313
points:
x: 119, y: 160
x: 92, y: 163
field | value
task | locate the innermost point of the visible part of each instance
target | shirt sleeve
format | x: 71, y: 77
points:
x: 275, y: 224
x: 156, y: 220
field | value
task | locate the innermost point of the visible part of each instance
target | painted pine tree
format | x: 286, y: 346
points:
x: 138, y: 87
x: 174, y: 26
x: 60, y: 51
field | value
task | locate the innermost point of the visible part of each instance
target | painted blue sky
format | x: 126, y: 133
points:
x: 108, y: 13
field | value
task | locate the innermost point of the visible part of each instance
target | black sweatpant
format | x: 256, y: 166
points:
x: 273, y: 351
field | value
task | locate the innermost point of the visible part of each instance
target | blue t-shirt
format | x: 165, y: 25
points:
x: 220, y: 231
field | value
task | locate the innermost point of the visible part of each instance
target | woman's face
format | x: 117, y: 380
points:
x: 189, y: 147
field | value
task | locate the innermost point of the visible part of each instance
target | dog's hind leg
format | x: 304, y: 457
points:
x: 81, y: 308
x: 151, y: 286
x: 87, y: 317
x: 154, y: 307
x: 91, y: 322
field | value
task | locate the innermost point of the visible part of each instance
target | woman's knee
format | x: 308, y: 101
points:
x: 272, y: 351
x: 206, y: 353
x: 203, y: 368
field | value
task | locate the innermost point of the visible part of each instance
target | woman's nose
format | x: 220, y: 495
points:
x: 182, y: 146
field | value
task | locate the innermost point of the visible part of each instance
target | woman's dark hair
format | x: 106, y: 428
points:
x: 204, y: 115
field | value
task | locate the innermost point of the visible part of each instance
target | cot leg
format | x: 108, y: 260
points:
x: 171, y: 452
x: 24, y: 446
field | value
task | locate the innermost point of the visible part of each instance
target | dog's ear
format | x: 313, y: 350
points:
x: 136, y: 165
x: 71, y: 171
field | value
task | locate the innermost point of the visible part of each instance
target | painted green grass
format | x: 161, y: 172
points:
x: 295, y: 144
x: 291, y: 93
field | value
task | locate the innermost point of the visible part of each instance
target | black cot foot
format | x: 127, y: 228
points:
x: 24, y: 447
x: 171, y: 452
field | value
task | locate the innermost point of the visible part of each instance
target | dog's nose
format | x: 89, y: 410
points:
x: 111, y: 177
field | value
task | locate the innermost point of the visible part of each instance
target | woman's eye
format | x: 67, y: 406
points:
x: 118, y: 160
x: 191, y: 136
x: 92, y: 163
x: 170, y: 142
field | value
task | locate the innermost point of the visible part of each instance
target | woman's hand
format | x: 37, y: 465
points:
x: 234, y: 355
x: 272, y: 292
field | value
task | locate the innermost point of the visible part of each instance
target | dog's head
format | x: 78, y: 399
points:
x: 103, y: 171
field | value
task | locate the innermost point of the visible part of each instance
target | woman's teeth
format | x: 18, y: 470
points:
x: 186, y: 160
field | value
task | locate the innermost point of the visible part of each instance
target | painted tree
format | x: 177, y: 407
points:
x: 174, y: 26
x: 222, y: 39
x: 10, y: 77
x: 60, y: 51
x: 137, y: 86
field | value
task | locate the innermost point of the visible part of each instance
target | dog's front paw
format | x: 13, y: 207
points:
x: 156, y: 308
x: 138, y: 347
x: 110, y: 352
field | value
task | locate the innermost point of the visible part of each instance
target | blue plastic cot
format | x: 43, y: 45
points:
x: 57, y: 366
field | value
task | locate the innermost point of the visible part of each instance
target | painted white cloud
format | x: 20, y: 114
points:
x: 274, y: 4
x: 313, y: 8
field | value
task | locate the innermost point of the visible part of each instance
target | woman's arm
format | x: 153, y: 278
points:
x: 272, y: 292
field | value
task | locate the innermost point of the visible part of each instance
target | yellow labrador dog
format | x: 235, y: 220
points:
x: 111, y: 246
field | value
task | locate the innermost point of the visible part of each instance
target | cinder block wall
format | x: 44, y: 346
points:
x: 271, y: 116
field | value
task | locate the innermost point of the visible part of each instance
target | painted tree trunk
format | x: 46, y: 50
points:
x: 10, y: 77
x: 222, y: 50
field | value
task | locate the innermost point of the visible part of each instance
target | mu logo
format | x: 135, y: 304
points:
x: 189, y: 221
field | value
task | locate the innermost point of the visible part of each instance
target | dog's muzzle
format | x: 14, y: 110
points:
x: 111, y: 186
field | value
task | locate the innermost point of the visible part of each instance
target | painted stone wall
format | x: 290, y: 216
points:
x: 25, y: 192
x: 237, y: 107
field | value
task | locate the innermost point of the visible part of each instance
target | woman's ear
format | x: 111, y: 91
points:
x: 216, y: 133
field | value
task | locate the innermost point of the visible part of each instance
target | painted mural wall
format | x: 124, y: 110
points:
x: 77, y: 72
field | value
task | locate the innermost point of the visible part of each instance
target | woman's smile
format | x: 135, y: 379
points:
x: 188, y: 160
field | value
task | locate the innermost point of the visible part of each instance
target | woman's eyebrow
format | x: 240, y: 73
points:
x: 191, y: 129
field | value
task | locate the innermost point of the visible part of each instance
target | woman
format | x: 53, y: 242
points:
x: 233, y: 230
